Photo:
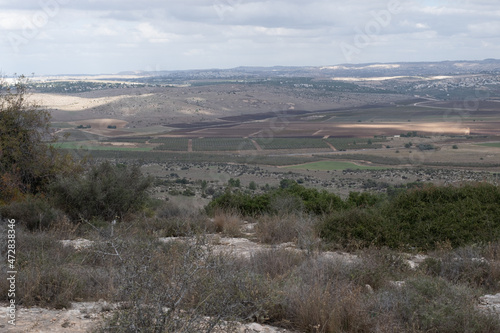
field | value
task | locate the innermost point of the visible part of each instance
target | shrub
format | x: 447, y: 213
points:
x: 34, y: 212
x: 290, y: 193
x: 105, y: 191
x: 277, y: 229
x: 244, y: 204
x: 355, y: 228
x: 191, y: 282
x: 427, y: 304
x: 227, y: 222
x: 421, y: 218
x: 275, y: 263
x: 464, y: 266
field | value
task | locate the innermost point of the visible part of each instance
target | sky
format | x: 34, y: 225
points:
x: 109, y: 36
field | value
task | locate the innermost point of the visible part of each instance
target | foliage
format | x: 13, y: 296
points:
x: 427, y: 304
x: 312, y: 200
x: 105, y: 191
x: 27, y: 163
x: 421, y: 218
x: 35, y: 212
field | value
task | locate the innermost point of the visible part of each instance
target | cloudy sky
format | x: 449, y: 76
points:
x: 109, y: 36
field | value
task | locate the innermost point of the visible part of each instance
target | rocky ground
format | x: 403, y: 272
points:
x: 84, y: 316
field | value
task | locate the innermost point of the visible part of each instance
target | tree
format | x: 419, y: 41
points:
x: 27, y: 160
x: 234, y: 182
x: 252, y: 186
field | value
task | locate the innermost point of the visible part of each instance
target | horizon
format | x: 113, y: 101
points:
x: 142, y: 71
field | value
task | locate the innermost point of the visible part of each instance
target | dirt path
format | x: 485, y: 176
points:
x: 331, y: 146
x: 257, y: 146
x: 190, y: 146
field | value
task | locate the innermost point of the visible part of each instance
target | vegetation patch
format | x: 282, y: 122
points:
x: 89, y: 145
x: 491, y: 144
x: 333, y: 165
x: 421, y: 219
x: 291, y: 143
x: 222, y: 144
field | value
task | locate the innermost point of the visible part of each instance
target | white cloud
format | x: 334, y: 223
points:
x: 89, y: 35
x: 153, y: 35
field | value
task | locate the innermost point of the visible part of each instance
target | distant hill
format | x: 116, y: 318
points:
x: 487, y: 66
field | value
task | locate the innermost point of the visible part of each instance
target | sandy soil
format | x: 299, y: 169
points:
x: 73, y: 103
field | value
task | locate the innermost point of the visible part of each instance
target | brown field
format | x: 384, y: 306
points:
x: 304, y: 129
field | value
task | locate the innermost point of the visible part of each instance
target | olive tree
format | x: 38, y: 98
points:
x: 27, y: 160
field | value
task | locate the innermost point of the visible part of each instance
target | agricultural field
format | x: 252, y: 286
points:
x: 92, y: 145
x: 222, y: 144
x: 355, y: 143
x: 128, y: 139
x: 171, y: 144
x: 333, y: 165
x: 291, y: 143
x: 491, y: 144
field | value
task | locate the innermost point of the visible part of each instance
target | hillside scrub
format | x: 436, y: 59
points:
x: 300, y: 290
x: 416, y: 218
x: 421, y: 219
x: 288, y: 198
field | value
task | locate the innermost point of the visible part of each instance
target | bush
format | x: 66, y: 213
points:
x: 464, y: 266
x: 290, y: 193
x: 433, y: 305
x: 228, y: 223
x: 106, y: 191
x: 34, y: 212
x: 277, y: 229
x: 421, y: 218
x: 244, y: 204
x: 191, y: 282
x: 355, y: 228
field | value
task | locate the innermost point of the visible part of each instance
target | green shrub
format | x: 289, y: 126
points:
x: 420, y: 218
x: 246, y: 205
x: 105, y: 191
x: 434, y: 214
x: 355, y: 228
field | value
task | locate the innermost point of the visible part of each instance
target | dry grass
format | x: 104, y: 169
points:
x: 282, y: 287
x: 227, y: 222
x: 298, y: 228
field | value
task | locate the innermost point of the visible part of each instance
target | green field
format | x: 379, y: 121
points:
x: 61, y: 125
x: 171, y: 144
x: 291, y: 143
x: 222, y: 144
x: 355, y: 143
x: 89, y: 145
x: 333, y: 165
x: 491, y: 144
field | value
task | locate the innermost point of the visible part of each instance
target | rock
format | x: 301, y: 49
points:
x: 490, y: 303
x: 416, y: 260
x: 369, y: 289
x: 397, y: 284
x: 78, y: 244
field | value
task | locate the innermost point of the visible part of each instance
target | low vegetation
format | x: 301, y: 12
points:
x: 166, y: 268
